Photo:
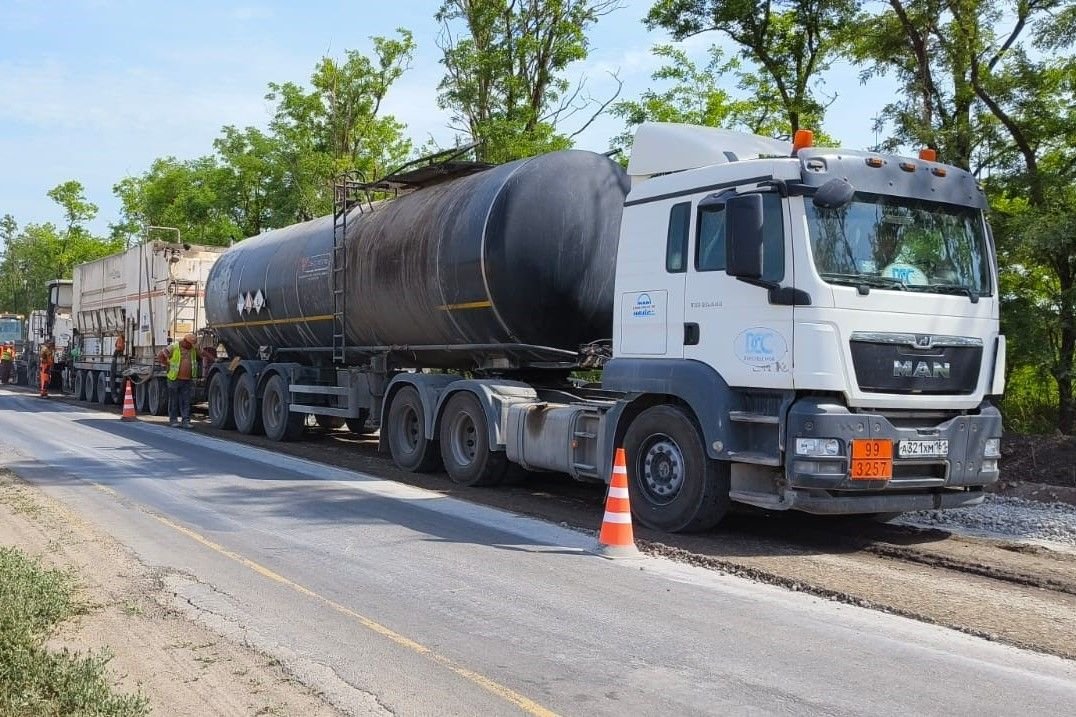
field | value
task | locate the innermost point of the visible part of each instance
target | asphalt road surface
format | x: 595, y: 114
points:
x: 392, y: 599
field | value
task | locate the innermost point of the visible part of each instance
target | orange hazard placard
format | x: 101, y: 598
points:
x: 872, y: 459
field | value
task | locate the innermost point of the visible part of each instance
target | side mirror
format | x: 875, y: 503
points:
x: 743, y: 236
x: 834, y: 194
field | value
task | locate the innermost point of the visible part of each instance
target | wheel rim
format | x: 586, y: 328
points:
x: 272, y: 406
x: 660, y: 467
x: 464, y: 439
x: 242, y: 397
x: 216, y: 400
x: 410, y: 429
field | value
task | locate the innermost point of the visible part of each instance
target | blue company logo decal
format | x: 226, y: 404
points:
x: 761, y: 348
x: 644, y: 307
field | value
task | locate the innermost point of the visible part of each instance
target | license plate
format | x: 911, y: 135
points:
x: 872, y: 459
x: 923, y: 449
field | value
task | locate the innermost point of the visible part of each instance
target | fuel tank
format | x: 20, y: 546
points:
x: 522, y: 254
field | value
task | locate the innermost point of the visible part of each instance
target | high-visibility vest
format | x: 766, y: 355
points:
x: 7, y: 354
x: 176, y: 356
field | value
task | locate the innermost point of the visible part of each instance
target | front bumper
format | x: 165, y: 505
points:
x: 823, y: 485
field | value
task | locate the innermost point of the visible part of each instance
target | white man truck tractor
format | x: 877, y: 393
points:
x: 789, y: 327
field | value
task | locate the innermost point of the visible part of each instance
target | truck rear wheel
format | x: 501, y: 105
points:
x: 465, y: 443
x: 245, y: 404
x: 410, y: 448
x: 89, y: 383
x: 219, y: 398
x: 675, y: 487
x: 157, y: 397
x: 140, y: 397
x: 80, y: 385
x: 104, y: 390
x: 279, y: 422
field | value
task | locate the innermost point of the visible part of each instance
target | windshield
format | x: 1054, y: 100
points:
x: 904, y: 244
x: 10, y: 330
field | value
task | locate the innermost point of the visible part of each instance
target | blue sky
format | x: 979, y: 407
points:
x: 94, y: 90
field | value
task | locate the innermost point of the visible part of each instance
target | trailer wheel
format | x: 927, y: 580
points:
x: 89, y: 384
x: 410, y: 448
x: 118, y: 385
x: 245, y: 404
x: 329, y: 423
x: 279, y: 422
x: 157, y: 397
x: 219, y: 398
x: 140, y: 396
x: 104, y: 390
x: 465, y: 443
x: 675, y: 487
x: 80, y: 385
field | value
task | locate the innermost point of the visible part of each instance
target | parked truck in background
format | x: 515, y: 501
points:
x: 783, y: 326
x: 13, y: 330
x: 52, y: 323
x: 127, y: 307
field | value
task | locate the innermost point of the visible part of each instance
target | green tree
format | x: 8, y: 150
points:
x: 793, y: 42
x: 687, y: 93
x: 193, y: 196
x: 337, y: 125
x: 38, y: 253
x: 504, y: 72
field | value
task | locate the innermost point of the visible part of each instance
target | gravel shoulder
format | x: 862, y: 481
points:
x: 132, y: 612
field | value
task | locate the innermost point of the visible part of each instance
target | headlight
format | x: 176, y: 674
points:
x: 818, y: 447
x: 992, y: 448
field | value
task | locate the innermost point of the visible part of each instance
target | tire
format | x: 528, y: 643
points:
x: 104, y: 390
x: 246, y: 406
x: 140, y: 397
x: 219, y: 398
x: 118, y: 385
x: 89, y: 382
x: 279, y: 422
x: 157, y: 397
x: 675, y: 487
x: 465, y: 449
x: 410, y: 448
x: 80, y: 385
x: 329, y: 423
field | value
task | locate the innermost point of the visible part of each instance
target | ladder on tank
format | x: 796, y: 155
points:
x: 349, y: 190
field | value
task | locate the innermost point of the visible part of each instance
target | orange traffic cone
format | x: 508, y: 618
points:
x: 616, y: 539
x: 128, y: 404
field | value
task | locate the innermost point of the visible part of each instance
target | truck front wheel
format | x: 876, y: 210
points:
x: 410, y: 448
x: 674, y: 486
x: 465, y: 443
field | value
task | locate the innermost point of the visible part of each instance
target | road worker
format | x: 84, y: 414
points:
x: 181, y: 358
x: 7, y: 362
x: 45, y: 359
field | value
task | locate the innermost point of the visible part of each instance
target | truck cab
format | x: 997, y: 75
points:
x: 825, y: 319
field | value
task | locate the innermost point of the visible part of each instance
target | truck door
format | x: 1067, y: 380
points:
x: 744, y: 337
x: 652, y: 274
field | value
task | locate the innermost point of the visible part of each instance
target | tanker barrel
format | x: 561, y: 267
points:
x: 520, y: 255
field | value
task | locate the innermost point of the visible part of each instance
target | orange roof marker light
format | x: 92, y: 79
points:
x: 928, y: 155
x: 803, y: 139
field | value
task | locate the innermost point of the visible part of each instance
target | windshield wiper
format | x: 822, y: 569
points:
x: 863, y: 282
x: 948, y: 289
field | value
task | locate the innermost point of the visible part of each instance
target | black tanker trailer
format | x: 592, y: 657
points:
x: 493, y: 269
x: 476, y: 288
